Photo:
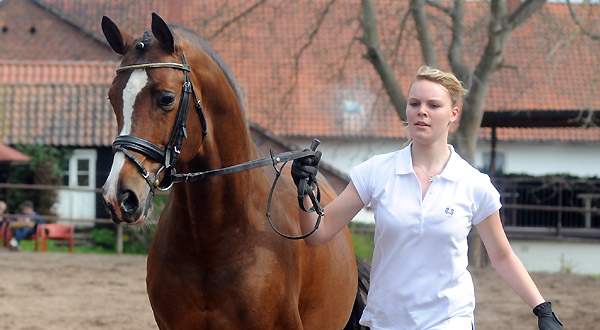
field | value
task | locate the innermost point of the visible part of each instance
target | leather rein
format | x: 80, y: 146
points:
x: 168, y: 155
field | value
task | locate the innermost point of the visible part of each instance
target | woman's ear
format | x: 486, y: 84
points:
x: 454, y: 114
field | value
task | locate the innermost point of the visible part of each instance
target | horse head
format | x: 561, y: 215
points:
x: 151, y: 95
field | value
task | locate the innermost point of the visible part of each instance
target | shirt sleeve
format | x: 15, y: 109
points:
x: 488, y: 200
x: 361, y: 178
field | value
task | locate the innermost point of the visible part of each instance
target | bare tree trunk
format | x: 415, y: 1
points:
x: 419, y: 13
x: 375, y: 55
x: 500, y: 27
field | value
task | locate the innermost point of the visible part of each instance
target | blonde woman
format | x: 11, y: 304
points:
x: 425, y: 199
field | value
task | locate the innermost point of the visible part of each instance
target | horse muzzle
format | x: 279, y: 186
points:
x: 126, y: 194
x: 125, y: 206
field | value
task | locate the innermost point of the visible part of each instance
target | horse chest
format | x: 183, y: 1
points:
x: 249, y: 268
x: 226, y: 295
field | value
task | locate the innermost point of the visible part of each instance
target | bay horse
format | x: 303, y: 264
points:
x: 214, y: 262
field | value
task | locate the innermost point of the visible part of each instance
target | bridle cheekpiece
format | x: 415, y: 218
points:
x: 168, y: 155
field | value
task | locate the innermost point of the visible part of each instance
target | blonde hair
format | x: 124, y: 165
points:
x: 455, y: 87
x: 2, y: 207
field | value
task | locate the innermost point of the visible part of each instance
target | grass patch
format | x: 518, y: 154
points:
x: 60, y: 246
x: 362, y: 239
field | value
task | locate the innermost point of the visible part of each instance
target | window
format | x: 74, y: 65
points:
x: 83, y: 172
x: 82, y: 169
x: 353, y: 107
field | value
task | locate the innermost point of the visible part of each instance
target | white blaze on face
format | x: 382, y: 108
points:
x: 134, y: 86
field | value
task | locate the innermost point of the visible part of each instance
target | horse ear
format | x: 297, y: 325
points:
x: 116, y: 38
x: 163, y: 34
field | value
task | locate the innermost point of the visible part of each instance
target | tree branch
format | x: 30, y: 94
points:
x: 523, y: 12
x: 456, y: 49
x: 375, y: 55
x: 396, y: 49
x: 311, y: 36
x: 580, y: 24
x: 348, y: 53
x: 419, y: 13
x: 235, y: 19
x: 298, y: 55
x: 447, y: 10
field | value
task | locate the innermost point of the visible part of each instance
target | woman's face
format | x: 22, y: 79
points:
x: 429, y: 112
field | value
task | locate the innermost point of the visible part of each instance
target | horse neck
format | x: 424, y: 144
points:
x: 217, y: 204
x: 217, y: 199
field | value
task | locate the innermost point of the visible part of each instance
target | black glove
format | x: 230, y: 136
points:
x: 306, y: 168
x: 547, y: 320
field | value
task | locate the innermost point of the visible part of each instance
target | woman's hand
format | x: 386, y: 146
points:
x: 304, y: 170
x: 547, y: 320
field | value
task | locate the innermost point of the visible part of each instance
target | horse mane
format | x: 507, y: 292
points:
x: 201, y: 43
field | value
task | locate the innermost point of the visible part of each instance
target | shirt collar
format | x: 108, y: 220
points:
x: 451, y: 171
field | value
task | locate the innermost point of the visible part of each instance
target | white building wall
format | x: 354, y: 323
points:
x: 345, y: 154
x: 562, y: 256
x: 546, y: 158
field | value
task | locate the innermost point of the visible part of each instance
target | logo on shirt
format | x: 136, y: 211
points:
x: 449, y: 211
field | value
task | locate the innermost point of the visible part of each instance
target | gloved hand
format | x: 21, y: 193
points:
x: 547, y: 320
x: 306, y: 168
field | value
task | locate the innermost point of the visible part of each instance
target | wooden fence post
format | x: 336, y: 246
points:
x: 119, y: 239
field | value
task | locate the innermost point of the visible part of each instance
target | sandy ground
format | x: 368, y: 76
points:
x: 80, y: 291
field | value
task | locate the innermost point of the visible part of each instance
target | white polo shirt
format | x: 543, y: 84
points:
x: 419, y: 277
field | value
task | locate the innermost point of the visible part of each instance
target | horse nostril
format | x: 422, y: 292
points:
x: 129, y: 202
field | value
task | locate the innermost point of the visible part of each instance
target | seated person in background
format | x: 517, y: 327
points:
x: 2, y: 210
x: 2, y: 220
x: 27, y: 215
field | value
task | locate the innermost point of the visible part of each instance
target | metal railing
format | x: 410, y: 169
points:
x: 550, y: 207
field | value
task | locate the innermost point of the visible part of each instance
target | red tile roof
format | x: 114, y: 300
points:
x: 570, y: 134
x: 10, y: 155
x: 30, y: 32
x: 57, y: 72
x: 57, y: 103
x: 549, y: 65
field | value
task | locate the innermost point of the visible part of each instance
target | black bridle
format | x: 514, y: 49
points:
x: 168, y: 155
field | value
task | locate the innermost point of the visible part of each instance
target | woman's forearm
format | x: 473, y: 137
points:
x: 511, y: 269
x: 307, y: 223
x: 337, y: 215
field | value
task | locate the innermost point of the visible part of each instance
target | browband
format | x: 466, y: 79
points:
x: 153, y: 65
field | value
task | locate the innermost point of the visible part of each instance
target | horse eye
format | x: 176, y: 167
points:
x: 166, y: 99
